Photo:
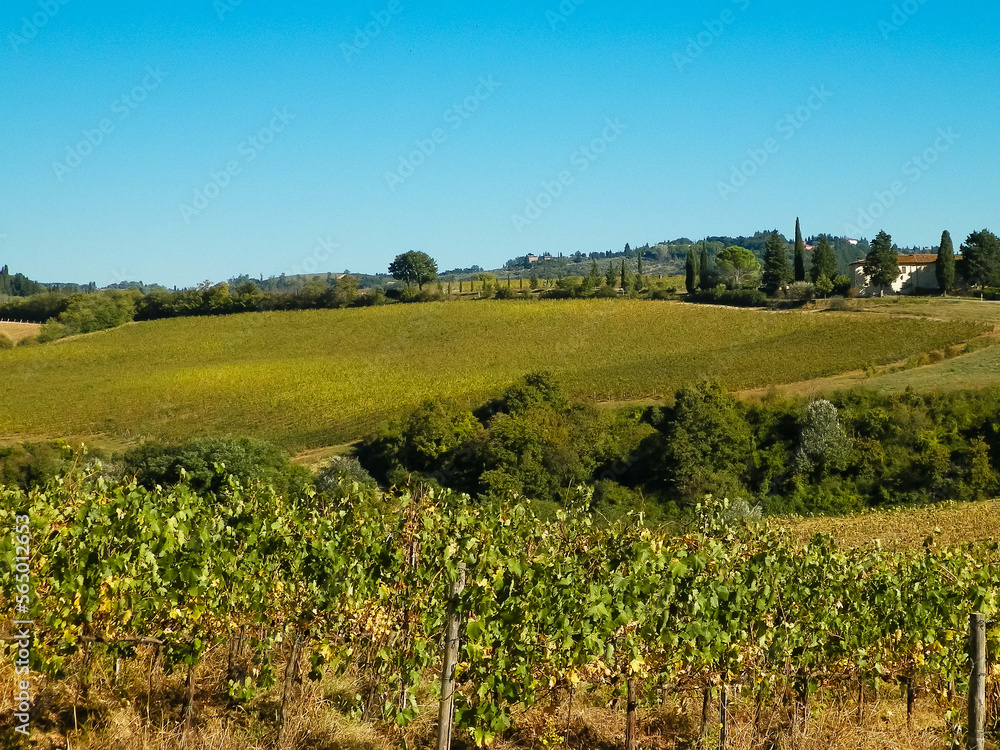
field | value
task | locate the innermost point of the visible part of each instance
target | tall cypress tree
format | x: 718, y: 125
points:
x: 703, y: 280
x: 691, y: 272
x: 624, y: 274
x: 944, y: 269
x: 776, y: 271
x: 800, y: 253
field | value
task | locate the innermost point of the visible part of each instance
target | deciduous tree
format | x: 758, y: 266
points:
x: 414, y: 268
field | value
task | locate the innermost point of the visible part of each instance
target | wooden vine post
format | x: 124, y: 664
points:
x: 631, y: 717
x: 446, y: 712
x: 977, y: 682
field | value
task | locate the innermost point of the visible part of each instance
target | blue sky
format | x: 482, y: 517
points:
x: 180, y: 142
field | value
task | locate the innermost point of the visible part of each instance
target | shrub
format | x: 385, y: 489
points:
x: 801, y: 291
x: 244, y: 459
x: 6, y: 342
x: 29, y: 341
x: 839, y: 304
x: 341, y: 475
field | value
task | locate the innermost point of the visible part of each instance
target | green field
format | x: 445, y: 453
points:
x: 317, y: 378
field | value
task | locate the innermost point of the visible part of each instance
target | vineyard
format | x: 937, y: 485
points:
x: 290, y: 589
x: 318, y: 378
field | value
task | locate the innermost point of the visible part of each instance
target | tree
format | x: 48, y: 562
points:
x: 824, y: 262
x: 882, y: 263
x: 981, y: 258
x: 824, y: 444
x: 691, y: 272
x: 345, y: 292
x: 610, y: 277
x: 533, y: 281
x: 776, y: 271
x: 944, y: 269
x: 738, y: 266
x: 414, y: 268
x: 800, y: 253
x: 704, y: 281
x: 624, y: 275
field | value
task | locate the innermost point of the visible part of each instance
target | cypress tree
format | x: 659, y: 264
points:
x: 945, y: 266
x: 800, y: 253
x: 691, y: 272
x: 639, y: 268
x: 776, y: 271
x: 703, y: 280
x: 609, y: 277
x: 624, y: 272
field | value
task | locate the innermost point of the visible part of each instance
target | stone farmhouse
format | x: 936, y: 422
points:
x: 916, y: 273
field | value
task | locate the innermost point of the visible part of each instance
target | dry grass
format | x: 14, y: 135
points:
x: 326, y: 716
x: 19, y: 331
x: 950, y: 524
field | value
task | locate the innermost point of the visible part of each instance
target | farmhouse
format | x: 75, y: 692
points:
x: 916, y: 273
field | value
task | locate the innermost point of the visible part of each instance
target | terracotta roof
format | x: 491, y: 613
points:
x: 907, y: 260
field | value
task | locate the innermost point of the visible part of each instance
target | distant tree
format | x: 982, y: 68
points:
x: 981, y: 259
x: 594, y: 278
x: 533, y: 281
x: 944, y: 269
x: 624, y: 278
x: 691, y: 272
x: 610, y: 277
x: 738, y: 267
x: 824, y: 444
x: 824, y: 285
x: 345, y: 291
x: 776, y: 271
x: 882, y: 263
x: 824, y: 262
x: 638, y: 269
x: 414, y: 268
x: 704, y: 278
x: 800, y: 253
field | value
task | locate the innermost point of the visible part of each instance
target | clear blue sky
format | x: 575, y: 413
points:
x: 181, y: 88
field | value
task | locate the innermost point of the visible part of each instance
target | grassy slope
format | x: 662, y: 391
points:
x: 306, y: 379
x: 976, y: 370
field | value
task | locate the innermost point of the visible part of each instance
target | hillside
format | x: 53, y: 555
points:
x: 315, y: 378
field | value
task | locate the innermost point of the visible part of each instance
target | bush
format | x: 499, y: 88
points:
x: 732, y: 298
x: 801, y: 291
x: 29, y: 341
x: 505, y: 293
x: 342, y: 475
x: 242, y: 458
x: 32, y: 465
x: 6, y: 342
x: 839, y: 304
